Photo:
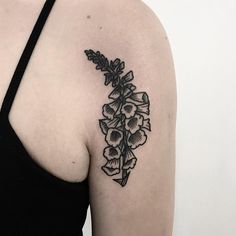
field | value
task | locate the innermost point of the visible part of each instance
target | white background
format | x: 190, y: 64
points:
x: 202, y: 35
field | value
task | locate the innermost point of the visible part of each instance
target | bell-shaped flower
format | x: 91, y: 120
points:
x: 128, y: 109
x: 111, y: 153
x: 143, y: 108
x: 110, y: 109
x: 134, y: 123
x: 136, y: 139
x: 139, y: 98
x: 114, y: 137
x: 112, y: 167
x: 129, y: 159
x: 106, y: 124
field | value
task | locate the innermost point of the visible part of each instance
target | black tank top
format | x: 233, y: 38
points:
x: 34, y: 202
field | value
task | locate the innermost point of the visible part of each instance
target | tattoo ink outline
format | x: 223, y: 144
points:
x: 125, y: 118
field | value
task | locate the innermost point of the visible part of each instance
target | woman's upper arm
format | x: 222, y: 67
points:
x: 132, y: 133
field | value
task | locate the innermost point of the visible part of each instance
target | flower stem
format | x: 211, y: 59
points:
x: 124, y: 172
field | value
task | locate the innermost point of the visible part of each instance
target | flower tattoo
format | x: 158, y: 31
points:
x: 125, y: 119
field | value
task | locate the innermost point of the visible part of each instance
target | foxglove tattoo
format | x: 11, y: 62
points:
x: 125, y: 120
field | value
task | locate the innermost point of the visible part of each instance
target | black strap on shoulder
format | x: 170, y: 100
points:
x: 25, y: 57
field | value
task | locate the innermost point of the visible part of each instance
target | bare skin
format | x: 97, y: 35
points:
x: 58, y: 104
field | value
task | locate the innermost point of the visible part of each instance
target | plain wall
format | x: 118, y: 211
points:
x: 202, y: 35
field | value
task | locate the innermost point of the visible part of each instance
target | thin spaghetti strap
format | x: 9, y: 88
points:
x: 25, y: 57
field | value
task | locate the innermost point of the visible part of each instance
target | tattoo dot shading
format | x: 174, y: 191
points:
x: 125, y: 119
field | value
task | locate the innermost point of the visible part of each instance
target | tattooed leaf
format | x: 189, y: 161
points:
x: 103, y: 126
